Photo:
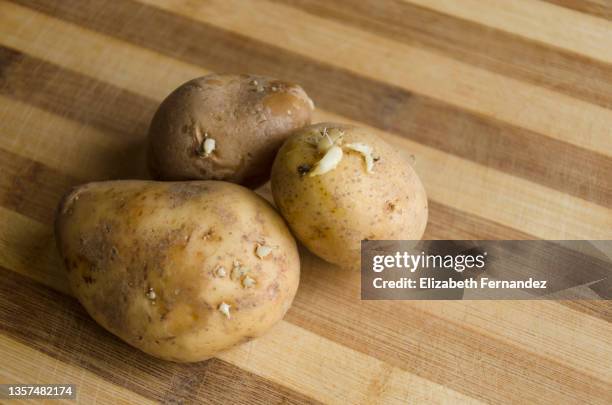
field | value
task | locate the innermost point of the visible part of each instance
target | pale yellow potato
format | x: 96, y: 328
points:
x: 374, y: 196
x: 144, y: 258
x: 225, y: 127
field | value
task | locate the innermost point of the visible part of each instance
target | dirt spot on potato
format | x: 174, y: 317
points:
x: 390, y: 206
x: 180, y: 193
x: 97, y: 247
x: 226, y: 216
x: 112, y: 304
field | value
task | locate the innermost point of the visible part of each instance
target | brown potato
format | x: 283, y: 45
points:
x: 179, y: 270
x: 225, y: 127
x: 337, y: 185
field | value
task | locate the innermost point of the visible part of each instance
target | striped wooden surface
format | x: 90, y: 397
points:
x: 507, y: 106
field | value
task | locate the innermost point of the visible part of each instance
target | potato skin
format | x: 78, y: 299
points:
x: 332, y: 213
x: 122, y: 240
x: 248, y: 116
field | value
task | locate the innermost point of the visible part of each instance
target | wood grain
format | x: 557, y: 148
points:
x: 555, y: 26
x: 473, y: 42
x: 417, y: 117
x: 506, y: 107
x: 466, y: 177
x: 600, y: 8
x: 157, y: 380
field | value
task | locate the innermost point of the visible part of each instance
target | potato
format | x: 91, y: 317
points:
x: 180, y: 270
x: 337, y: 184
x: 225, y: 127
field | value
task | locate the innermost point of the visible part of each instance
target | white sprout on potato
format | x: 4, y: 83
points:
x: 366, y: 151
x: 238, y: 271
x: 325, y: 143
x: 263, y: 251
x: 151, y: 294
x: 329, y: 138
x: 224, y: 308
x: 329, y: 161
x: 248, y: 282
x: 330, y: 144
x: 208, y: 146
x: 220, y: 272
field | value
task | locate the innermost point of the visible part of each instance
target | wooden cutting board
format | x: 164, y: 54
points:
x: 506, y: 106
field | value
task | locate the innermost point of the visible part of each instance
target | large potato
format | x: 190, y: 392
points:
x: 225, y: 127
x: 178, y: 270
x: 337, y: 185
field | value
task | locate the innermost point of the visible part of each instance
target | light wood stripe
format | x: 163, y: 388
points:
x: 541, y: 224
x: 22, y: 364
x: 547, y: 23
x: 368, y: 381
x: 295, y: 350
x: 474, y: 43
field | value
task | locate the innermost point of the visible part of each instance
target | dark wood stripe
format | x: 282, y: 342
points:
x: 72, y: 95
x: 449, y: 223
x: 598, y: 8
x: 34, y: 189
x: 485, y: 140
x: 30, y: 188
x: 411, y: 339
x: 71, y: 336
x: 473, y: 43
x: 598, y: 309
